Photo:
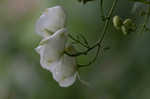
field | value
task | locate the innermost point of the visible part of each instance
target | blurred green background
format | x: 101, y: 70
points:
x: 123, y: 72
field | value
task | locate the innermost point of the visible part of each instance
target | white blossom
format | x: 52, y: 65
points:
x: 51, y: 26
x: 51, y: 48
x: 50, y: 21
x: 65, y: 71
x: 62, y: 67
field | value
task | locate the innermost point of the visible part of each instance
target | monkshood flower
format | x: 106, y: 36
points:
x: 52, y: 47
x: 65, y: 71
x: 50, y: 21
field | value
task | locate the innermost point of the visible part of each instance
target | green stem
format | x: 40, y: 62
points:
x: 99, y: 42
x: 92, y: 61
x: 102, y: 10
x: 145, y: 20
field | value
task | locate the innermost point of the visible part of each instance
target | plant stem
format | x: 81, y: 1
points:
x: 99, y: 42
x: 102, y: 10
x: 145, y: 20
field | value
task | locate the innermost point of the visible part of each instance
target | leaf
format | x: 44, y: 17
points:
x: 84, y: 39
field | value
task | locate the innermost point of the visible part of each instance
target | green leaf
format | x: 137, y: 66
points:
x: 84, y: 39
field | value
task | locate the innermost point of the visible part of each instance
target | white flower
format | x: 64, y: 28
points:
x: 51, y: 48
x: 50, y: 21
x: 65, y: 71
x: 62, y: 67
x: 51, y: 26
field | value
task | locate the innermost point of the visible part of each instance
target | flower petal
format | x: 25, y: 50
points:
x: 39, y: 49
x: 52, y: 48
x: 68, y: 81
x: 65, y: 71
x: 50, y: 21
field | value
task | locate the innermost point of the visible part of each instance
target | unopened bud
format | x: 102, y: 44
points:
x: 117, y: 22
x: 128, y: 26
x: 124, y: 29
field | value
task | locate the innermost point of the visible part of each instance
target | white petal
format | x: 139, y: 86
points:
x: 50, y: 21
x: 39, y: 49
x: 65, y: 71
x: 68, y: 81
x: 52, y: 48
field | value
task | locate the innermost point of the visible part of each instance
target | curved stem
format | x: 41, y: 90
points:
x: 99, y: 42
x: 145, y: 20
x: 92, y: 61
x: 107, y: 22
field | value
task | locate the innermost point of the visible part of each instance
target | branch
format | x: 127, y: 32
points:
x: 99, y: 42
x: 145, y: 20
x: 92, y: 61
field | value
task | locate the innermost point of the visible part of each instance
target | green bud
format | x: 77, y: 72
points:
x: 117, y: 22
x: 128, y: 26
x: 128, y: 22
x: 124, y: 29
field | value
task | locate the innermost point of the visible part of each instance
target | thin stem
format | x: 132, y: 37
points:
x: 99, y: 42
x: 145, y: 20
x: 107, y: 21
x: 78, y: 41
x: 92, y: 61
x: 102, y: 10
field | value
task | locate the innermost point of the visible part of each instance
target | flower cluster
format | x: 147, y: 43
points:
x: 51, y: 26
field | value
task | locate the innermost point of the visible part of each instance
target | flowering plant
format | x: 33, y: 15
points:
x: 59, y: 57
x: 51, y: 26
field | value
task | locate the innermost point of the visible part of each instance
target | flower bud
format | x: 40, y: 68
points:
x: 128, y: 22
x: 117, y: 22
x: 124, y: 29
x: 128, y: 26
